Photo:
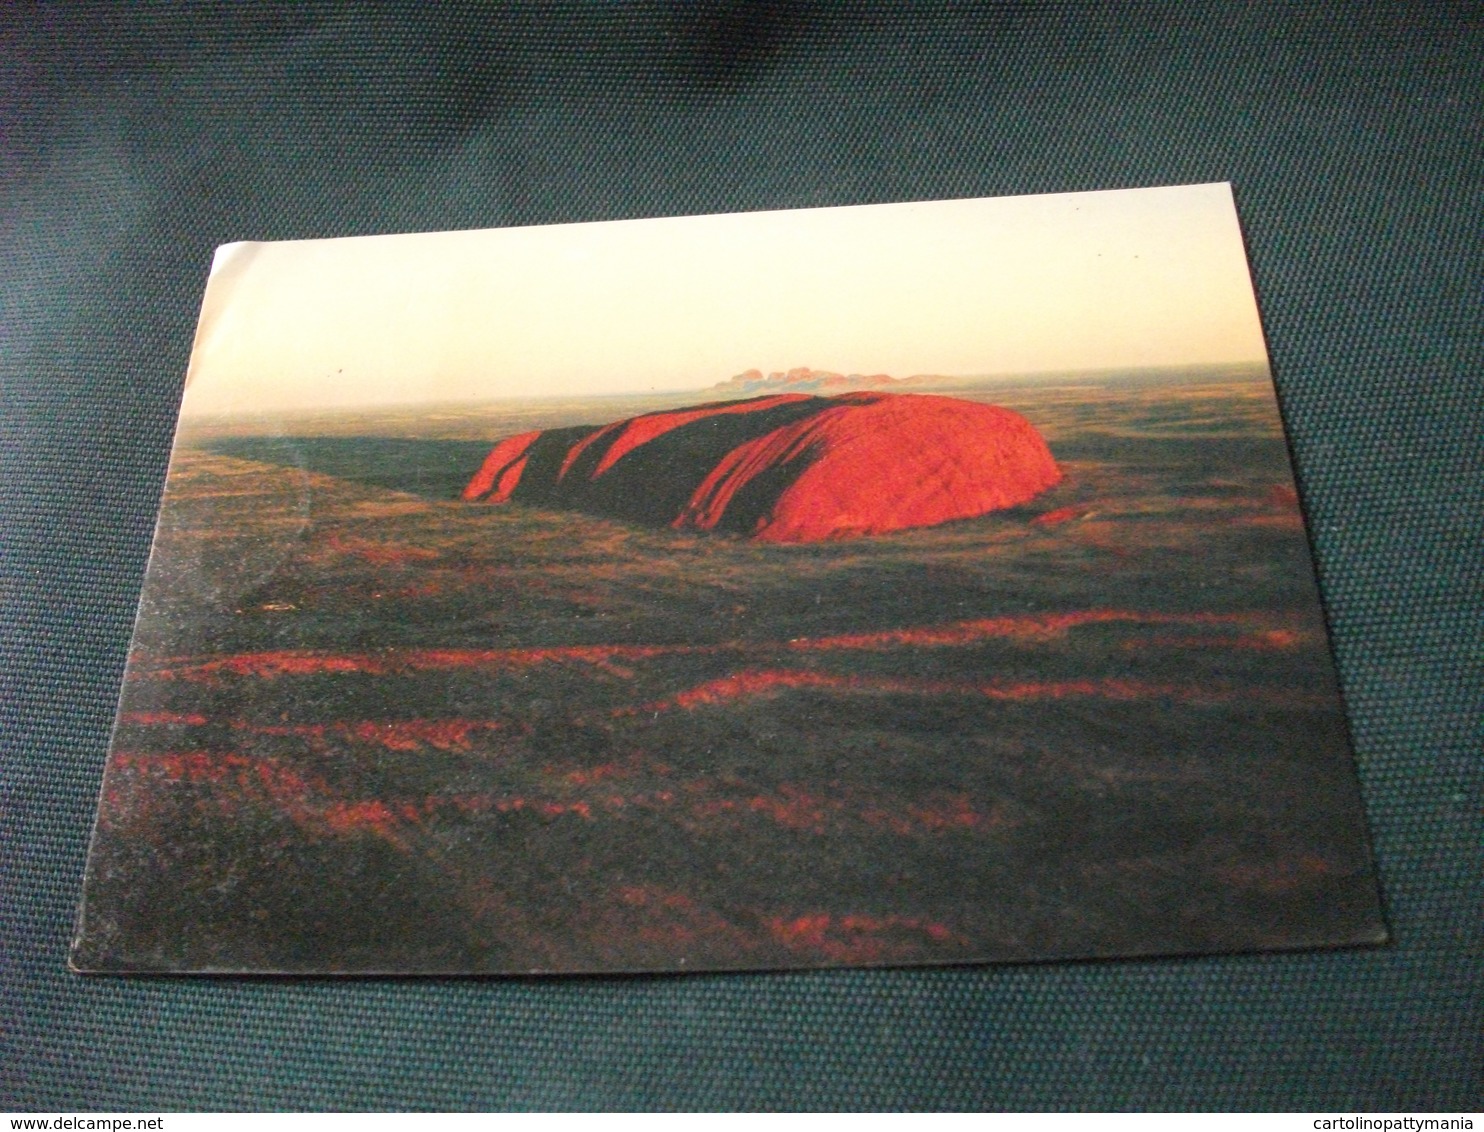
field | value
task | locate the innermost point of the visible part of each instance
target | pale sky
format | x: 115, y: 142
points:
x: 1139, y: 277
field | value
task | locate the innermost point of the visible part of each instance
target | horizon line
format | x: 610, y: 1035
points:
x: 1262, y: 364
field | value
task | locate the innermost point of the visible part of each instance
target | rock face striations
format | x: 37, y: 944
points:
x: 787, y: 468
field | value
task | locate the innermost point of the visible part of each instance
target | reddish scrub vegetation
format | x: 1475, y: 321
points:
x: 429, y: 737
x: 858, y: 938
x: 790, y: 468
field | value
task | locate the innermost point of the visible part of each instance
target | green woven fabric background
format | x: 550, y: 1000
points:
x: 135, y: 139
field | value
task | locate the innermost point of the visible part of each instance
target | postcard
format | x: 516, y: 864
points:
x: 902, y: 584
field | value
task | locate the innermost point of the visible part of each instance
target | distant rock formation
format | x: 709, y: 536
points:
x: 802, y: 379
x: 786, y: 468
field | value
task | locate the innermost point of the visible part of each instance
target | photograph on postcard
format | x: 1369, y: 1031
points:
x: 896, y: 584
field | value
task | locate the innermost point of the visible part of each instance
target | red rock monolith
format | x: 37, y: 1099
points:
x: 789, y: 468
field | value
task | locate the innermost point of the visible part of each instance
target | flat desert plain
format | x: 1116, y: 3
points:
x: 368, y: 727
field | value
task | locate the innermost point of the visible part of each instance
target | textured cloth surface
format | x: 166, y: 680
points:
x: 133, y: 141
